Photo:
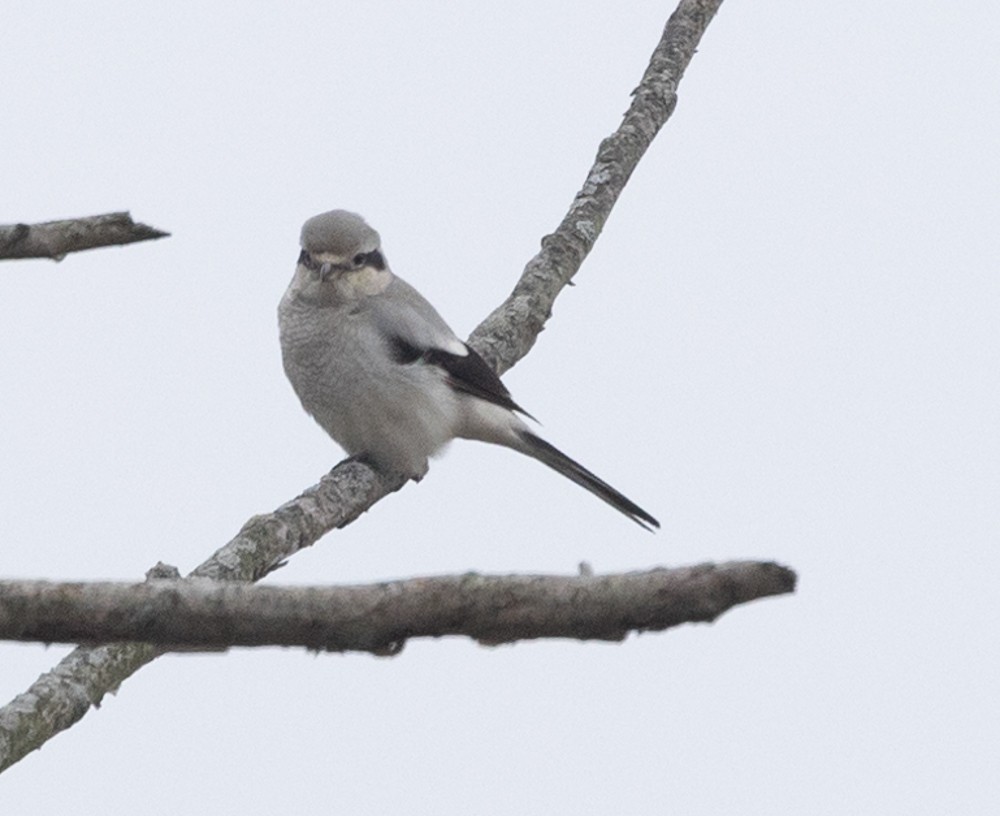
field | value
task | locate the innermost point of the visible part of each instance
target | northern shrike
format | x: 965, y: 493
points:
x: 381, y: 372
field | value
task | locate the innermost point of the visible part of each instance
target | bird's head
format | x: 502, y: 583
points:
x: 341, y: 258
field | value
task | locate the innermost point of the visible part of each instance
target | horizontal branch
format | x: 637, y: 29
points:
x: 56, y: 239
x: 379, y: 618
x: 63, y: 695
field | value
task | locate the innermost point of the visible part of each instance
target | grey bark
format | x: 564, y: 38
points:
x: 62, y: 696
x: 56, y: 239
x: 379, y: 618
x: 511, y: 329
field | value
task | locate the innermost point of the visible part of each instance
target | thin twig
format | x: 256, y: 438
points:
x: 56, y: 239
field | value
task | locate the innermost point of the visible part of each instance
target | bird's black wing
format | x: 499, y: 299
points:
x: 468, y: 373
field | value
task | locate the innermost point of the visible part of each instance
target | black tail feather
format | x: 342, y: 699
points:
x: 561, y: 463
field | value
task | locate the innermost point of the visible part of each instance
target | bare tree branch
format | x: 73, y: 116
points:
x: 510, y: 331
x: 380, y: 617
x: 62, y: 696
x: 56, y: 239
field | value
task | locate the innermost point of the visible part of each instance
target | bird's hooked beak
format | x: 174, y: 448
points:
x: 323, y: 269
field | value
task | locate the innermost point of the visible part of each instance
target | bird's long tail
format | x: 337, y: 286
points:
x: 541, y: 450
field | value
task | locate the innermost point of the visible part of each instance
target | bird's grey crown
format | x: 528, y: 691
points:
x: 340, y: 233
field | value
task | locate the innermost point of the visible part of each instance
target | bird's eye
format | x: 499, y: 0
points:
x: 305, y: 258
x: 359, y: 259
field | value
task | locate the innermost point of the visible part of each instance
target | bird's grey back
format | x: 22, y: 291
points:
x: 339, y: 232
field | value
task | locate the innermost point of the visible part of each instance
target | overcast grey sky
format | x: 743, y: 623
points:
x: 784, y: 346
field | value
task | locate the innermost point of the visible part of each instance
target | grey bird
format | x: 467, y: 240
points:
x: 380, y: 371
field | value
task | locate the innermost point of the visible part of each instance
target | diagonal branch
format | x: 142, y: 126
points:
x: 511, y: 329
x: 379, y: 618
x: 62, y: 696
x: 56, y: 239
